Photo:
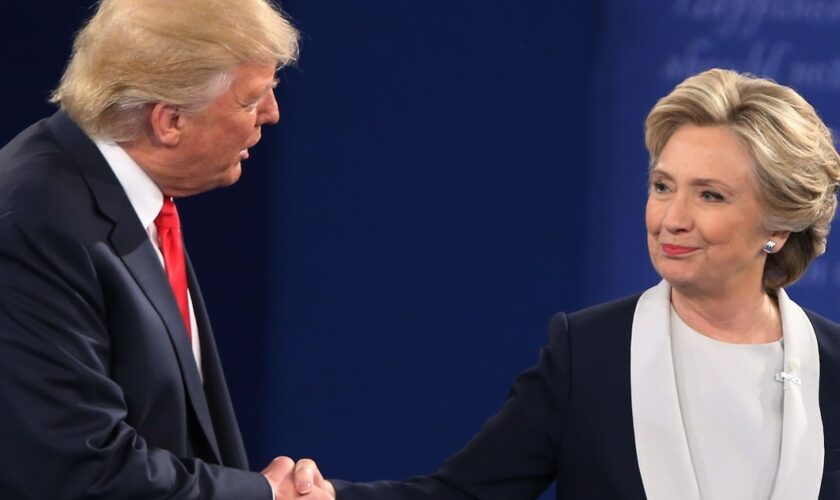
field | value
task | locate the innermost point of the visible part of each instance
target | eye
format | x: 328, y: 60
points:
x: 658, y: 187
x: 711, y: 196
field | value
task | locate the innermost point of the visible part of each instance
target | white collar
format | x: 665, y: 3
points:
x: 661, y: 446
x: 144, y: 195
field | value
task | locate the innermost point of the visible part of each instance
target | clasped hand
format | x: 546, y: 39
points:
x: 297, y: 480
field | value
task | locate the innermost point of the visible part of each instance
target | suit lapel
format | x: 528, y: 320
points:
x: 144, y: 265
x: 227, y: 441
x: 132, y: 244
x: 803, y: 450
x: 661, y: 445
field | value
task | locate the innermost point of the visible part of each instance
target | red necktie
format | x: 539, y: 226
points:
x: 172, y: 248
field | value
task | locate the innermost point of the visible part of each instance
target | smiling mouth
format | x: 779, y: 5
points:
x: 675, y: 250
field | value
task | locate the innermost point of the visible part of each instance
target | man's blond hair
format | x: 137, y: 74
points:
x: 134, y: 53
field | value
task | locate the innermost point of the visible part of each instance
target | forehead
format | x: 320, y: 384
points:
x: 706, y: 152
x: 252, y: 78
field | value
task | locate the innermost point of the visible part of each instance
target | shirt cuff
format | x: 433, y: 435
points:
x: 273, y: 493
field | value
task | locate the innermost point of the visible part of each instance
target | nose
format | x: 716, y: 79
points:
x: 677, y: 216
x: 269, y: 112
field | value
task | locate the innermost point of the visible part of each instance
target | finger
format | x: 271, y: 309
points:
x: 328, y: 487
x: 279, y: 467
x: 320, y: 493
x: 319, y: 480
x: 306, y: 474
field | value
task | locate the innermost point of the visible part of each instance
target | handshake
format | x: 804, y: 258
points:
x: 290, y: 480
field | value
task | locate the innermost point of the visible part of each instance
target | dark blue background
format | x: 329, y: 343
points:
x: 446, y: 175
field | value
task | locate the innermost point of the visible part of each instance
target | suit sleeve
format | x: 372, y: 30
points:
x: 514, y: 456
x: 62, y: 419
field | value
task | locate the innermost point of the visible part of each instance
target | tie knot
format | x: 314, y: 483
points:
x: 168, y: 216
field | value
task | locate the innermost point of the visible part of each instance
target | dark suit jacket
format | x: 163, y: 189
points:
x: 100, y: 396
x: 569, y: 420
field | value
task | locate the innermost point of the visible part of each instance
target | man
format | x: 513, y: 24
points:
x: 110, y: 383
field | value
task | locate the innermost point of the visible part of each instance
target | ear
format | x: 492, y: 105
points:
x: 780, y: 238
x: 167, y: 124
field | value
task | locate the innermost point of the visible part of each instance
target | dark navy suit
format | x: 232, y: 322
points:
x: 569, y: 420
x: 100, y: 396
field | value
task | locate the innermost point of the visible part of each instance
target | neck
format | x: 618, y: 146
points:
x: 155, y: 162
x: 740, y: 318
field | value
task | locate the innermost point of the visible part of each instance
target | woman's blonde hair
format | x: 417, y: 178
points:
x: 796, y: 167
x: 133, y: 53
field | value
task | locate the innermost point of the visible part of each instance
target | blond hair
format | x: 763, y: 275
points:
x: 133, y: 53
x: 796, y: 167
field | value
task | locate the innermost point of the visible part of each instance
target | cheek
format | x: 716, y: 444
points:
x: 237, y: 131
x: 720, y: 229
x: 651, y: 218
x: 248, y: 124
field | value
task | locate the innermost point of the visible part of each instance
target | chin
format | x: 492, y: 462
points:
x: 691, y: 285
x: 677, y: 278
x: 231, y: 176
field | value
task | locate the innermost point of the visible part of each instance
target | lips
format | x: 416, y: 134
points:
x: 676, y: 250
x: 244, y: 154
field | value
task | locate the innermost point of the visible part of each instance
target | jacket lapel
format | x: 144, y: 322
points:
x: 230, y: 444
x: 132, y: 244
x: 661, y: 445
x: 803, y: 449
x: 144, y: 265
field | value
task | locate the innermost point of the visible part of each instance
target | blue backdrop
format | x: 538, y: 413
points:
x: 446, y: 175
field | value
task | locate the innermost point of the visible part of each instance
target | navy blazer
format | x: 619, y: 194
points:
x: 569, y: 420
x: 100, y: 396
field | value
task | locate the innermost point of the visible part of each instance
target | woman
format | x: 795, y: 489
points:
x: 713, y: 384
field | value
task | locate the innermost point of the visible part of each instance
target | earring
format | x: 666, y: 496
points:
x: 769, y: 246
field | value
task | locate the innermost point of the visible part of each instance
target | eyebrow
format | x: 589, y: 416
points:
x: 268, y: 88
x: 656, y: 171
x: 699, y: 181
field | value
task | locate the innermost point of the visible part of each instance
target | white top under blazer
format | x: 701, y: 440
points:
x: 731, y: 406
x: 663, y: 449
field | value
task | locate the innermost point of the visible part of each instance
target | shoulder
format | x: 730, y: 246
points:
x: 823, y: 324
x: 827, y: 331
x: 32, y: 149
x: 609, y: 316
x: 599, y: 333
x: 39, y: 178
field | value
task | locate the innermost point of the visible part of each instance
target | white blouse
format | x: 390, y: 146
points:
x: 665, y: 457
x: 731, y: 405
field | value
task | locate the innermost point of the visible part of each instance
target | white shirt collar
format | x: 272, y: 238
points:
x: 144, y: 195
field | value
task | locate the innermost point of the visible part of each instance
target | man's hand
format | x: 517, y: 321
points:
x: 297, y: 480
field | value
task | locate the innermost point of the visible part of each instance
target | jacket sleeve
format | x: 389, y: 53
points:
x: 62, y: 418
x: 514, y: 456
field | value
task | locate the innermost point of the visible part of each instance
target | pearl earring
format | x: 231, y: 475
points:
x: 769, y: 246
